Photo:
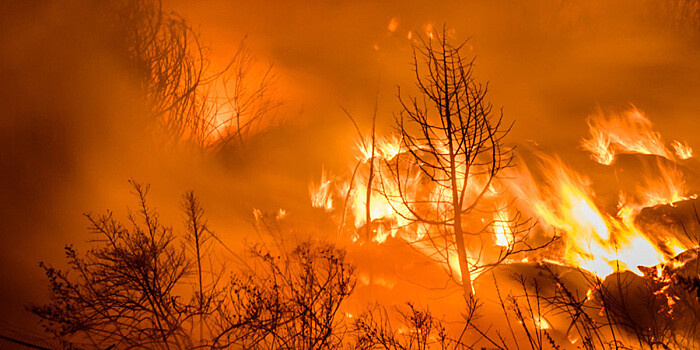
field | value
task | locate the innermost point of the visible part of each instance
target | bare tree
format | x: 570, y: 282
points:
x: 373, y: 329
x: 454, y: 141
x: 288, y: 296
x: 188, y: 101
x: 123, y: 292
x: 209, y: 285
x: 140, y: 285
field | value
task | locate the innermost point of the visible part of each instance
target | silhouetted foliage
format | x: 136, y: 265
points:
x: 291, y: 301
x: 454, y: 140
x: 420, y: 330
x: 188, y: 101
x: 140, y: 285
x: 623, y: 311
x: 124, y: 290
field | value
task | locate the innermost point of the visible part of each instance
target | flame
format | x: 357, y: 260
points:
x: 385, y: 148
x: 667, y: 187
x: 321, y: 195
x: 501, y: 229
x: 593, y: 240
x: 682, y: 149
x: 538, y: 321
x: 629, y: 132
x: 390, y: 216
x: 541, y: 322
x: 430, y: 31
x: 560, y: 199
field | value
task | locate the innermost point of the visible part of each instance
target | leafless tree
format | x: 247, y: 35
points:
x: 123, y: 291
x: 289, y: 295
x: 189, y: 101
x: 419, y: 330
x: 141, y: 286
x: 210, y: 283
x: 453, y: 141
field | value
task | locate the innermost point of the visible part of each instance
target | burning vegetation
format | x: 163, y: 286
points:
x: 439, y: 235
x: 446, y: 185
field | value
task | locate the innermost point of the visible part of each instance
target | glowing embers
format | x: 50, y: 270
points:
x: 628, y: 132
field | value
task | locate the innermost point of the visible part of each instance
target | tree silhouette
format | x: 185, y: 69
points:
x: 453, y: 142
x: 124, y: 291
x: 289, y: 295
x: 188, y: 102
x: 141, y: 285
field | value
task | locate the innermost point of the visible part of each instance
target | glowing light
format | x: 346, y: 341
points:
x: 682, y: 149
x: 541, y: 322
x: 629, y: 132
x: 321, y: 196
x: 393, y: 25
x: 597, y: 242
x: 501, y: 229
x: 430, y: 31
x: 561, y: 200
x: 667, y: 187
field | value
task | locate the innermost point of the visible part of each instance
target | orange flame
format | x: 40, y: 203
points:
x: 321, y: 195
x: 593, y: 240
x: 667, y: 187
x: 683, y: 151
x: 560, y: 200
x: 629, y: 132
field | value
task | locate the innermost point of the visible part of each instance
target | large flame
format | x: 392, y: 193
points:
x: 559, y: 198
x: 628, y: 132
x: 502, y: 231
x: 593, y: 240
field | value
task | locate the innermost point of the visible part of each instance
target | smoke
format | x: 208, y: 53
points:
x: 550, y: 63
x: 73, y: 126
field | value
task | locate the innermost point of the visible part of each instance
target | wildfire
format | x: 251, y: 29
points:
x: 501, y: 229
x: 666, y: 188
x: 502, y: 232
x: 321, y: 195
x: 595, y: 241
x: 628, y: 132
x: 385, y: 148
x: 541, y: 322
x: 560, y: 199
x: 683, y: 151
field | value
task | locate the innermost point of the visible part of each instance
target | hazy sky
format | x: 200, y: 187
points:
x: 547, y: 61
x: 71, y: 134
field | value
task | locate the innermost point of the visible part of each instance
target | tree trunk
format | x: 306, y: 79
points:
x: 462, y: 257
